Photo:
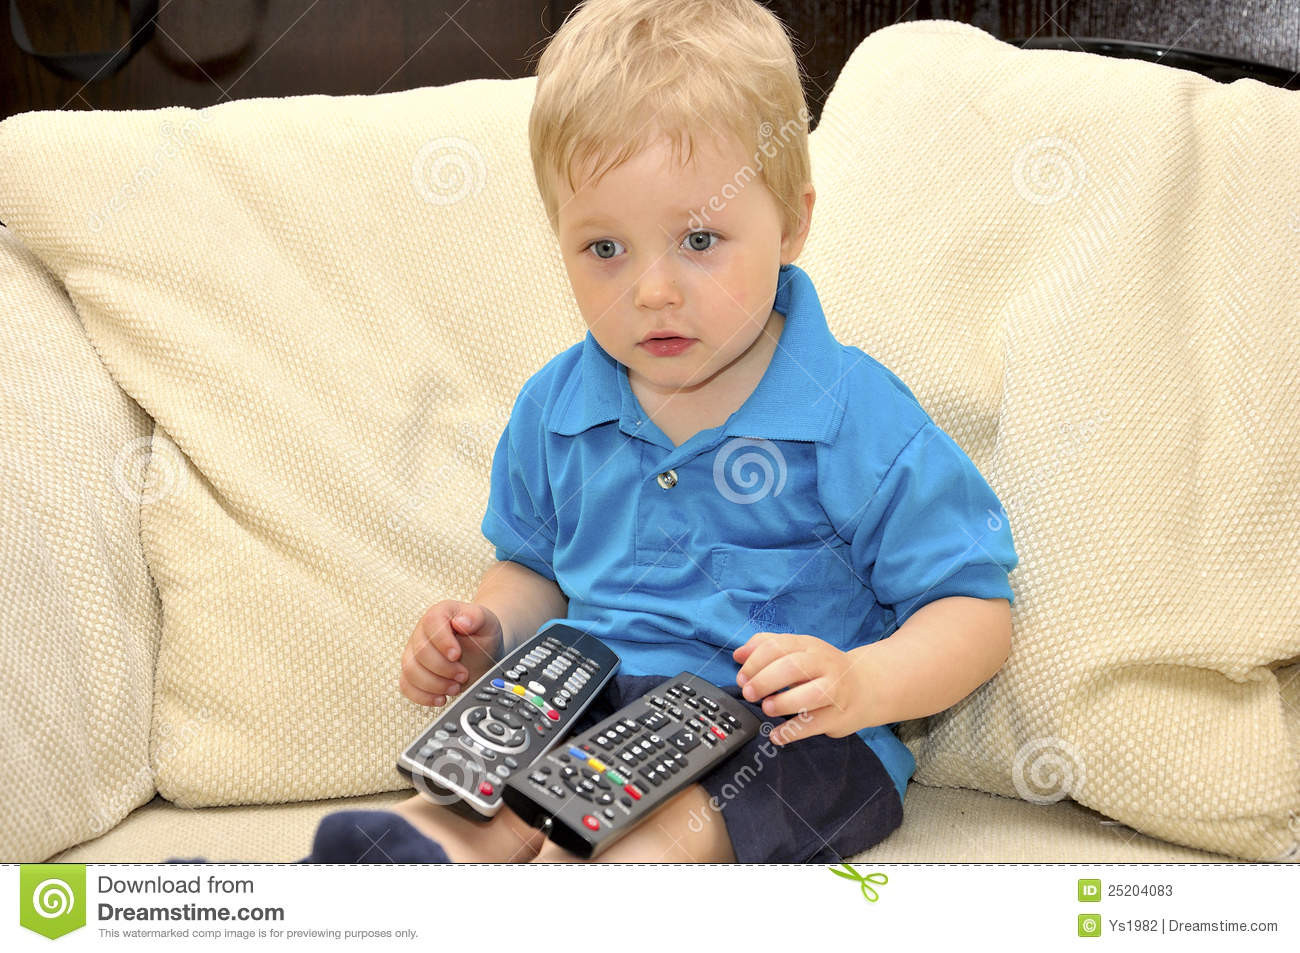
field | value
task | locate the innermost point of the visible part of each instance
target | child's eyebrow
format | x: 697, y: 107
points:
x: 685, y: 212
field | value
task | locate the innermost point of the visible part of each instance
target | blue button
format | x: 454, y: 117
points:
x: 498, y: 683
x: 577, y: 752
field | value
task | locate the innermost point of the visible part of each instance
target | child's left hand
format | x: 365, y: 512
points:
x: 827, y: 683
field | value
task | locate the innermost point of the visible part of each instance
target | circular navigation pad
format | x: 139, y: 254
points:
x: 496, y: 727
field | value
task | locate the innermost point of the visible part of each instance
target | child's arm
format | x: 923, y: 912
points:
x: 522, y: 600
x: 943, y: 652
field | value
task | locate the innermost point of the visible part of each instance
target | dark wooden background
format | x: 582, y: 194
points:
x: 205, y: 52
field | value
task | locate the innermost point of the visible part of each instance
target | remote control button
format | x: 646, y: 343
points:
x: 502, y: 771
x: 718, y: 731
x: 557, y: 790
x: 630, y: 789
x: 685, y: 739
x: 596, y: 764
x: 615, y: 777
x: 537, y: 688
x: 591, y: 822
x: 499, y: 683
x: 553, y: 715
x: 559, y: 702
x: 538, y: 777
x: 604, y: 797
x: 511, y: 762
x: 625, y: 801
x: 486, y: 788
x: 687, y: 690
x: 577, y: 753
x: 519, y: 689
x: 609, y: 813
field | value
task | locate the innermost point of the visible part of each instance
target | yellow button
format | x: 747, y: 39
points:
x: 519, y: 689
x: 596, y: 764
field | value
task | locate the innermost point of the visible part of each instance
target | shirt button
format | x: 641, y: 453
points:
x: 667, y: 479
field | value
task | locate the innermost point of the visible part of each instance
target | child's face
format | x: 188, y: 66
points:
x: 690, y: 250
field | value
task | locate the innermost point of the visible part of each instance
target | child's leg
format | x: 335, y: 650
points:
x: 504, y: 838
x: 685, y: 830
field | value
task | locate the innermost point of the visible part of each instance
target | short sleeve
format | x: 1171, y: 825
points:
x: 520, y: 517
x: 934, y: 528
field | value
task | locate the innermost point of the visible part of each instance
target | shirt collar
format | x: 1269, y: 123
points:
x: 798, y: 397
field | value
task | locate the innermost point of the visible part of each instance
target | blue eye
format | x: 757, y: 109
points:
x: 704, y: 234
x: 602, y: 242
x: 609, y: 244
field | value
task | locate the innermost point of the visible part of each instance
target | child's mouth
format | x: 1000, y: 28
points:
x: 667, y: 347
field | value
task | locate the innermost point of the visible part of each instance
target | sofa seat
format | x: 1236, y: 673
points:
x: 944, y: 825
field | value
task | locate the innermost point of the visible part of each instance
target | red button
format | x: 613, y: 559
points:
x: 636, y: 795
x: 717, y: 731
x: 591, y: 822
x: 485, y: 788
x: 553, y: 714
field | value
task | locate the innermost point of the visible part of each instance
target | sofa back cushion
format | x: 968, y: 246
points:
x: 1089, y: 271
x: 79, y: 617
x: 329, y: 305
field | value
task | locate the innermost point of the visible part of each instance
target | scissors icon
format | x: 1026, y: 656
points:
x: 867, y: 890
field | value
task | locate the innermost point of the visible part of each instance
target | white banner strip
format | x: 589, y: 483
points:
x: 233, y: 906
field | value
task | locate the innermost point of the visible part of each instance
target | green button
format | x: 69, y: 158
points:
x: 615, y: 777
x: 539, y: 701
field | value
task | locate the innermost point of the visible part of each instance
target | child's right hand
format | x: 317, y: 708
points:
x: 453, y: 645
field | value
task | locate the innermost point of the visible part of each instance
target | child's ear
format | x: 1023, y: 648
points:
x: 792, y: 245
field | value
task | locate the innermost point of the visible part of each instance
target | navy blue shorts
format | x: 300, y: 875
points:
x: 815, y: 800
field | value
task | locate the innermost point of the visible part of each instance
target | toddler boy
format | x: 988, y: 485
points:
x: 709, y: 481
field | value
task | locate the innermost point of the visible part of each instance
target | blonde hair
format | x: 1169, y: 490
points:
x: 619, y: 75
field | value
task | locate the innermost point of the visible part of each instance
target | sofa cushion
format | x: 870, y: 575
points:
x: 945, y: 825
x: 1086, y: 268
x: 329, y: 304
x: 79, y: 617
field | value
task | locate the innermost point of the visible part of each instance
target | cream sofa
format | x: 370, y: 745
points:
x: 256, y: 359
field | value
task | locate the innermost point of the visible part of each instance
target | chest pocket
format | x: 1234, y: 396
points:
x: 805, y: 590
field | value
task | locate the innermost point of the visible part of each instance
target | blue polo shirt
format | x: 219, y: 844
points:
x: 828, y: 504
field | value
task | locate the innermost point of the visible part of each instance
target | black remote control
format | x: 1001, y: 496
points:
x: 506, y: 720
x: 591, y: 791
